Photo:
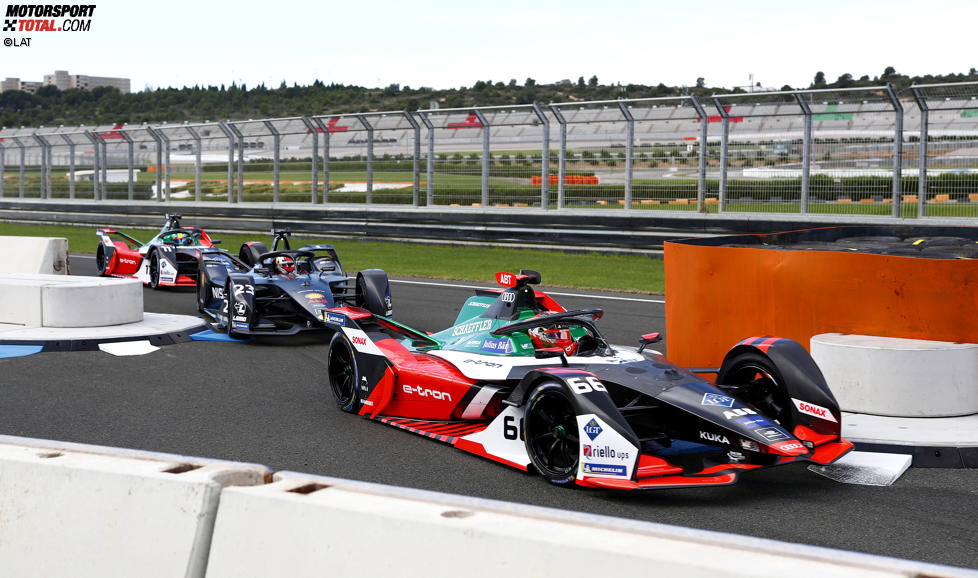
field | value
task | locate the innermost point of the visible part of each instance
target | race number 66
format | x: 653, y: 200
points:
x: 587, y: 384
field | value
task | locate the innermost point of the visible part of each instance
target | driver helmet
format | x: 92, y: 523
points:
x: 181, y: 239
x: 553, y: 337
x: 285, y: 265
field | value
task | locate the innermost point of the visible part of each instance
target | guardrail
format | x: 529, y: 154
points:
x: 135, y: 513
x: 568, y: 230
x: 867, y: 151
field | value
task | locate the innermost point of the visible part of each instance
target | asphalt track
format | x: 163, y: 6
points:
x: 267, y: 402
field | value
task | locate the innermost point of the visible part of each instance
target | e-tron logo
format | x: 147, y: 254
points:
x: 424, y: 392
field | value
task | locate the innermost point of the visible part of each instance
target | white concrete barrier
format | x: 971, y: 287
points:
x: 899, y: 377
x: 70, y: 510
x: 36, y: 300
x: 312, y: 526
x: 47, y: 255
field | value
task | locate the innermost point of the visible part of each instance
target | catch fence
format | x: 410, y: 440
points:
x: 870, y: 151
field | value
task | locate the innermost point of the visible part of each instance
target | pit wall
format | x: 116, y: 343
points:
x: 77, y: 510
x: 717, y: 295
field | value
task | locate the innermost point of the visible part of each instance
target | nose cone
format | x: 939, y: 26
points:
x: 792, y: 448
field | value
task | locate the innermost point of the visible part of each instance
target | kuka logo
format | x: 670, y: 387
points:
x: 714, y: 437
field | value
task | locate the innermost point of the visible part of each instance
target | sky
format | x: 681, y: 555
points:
x: 439, y: 44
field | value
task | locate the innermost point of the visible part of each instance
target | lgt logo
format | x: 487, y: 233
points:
x: 592, y: 429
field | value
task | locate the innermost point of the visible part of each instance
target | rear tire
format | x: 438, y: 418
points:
x: 341, y: 371
x: 551, y: 433
x: 757, y: 381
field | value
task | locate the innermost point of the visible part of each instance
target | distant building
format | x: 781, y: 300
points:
x: 64, y: 81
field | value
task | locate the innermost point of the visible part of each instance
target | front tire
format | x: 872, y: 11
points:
x: 101, y: 261
x: 154, y: 271
x: 755, y: 379
x: 551, y: 433
x: 341, y: 370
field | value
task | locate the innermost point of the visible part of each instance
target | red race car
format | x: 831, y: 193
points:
x: 522, y: 381
x: 168, y: 260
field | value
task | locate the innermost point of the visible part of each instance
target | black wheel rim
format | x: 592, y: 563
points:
x: 551, y: 435
x: 100, y: 261
x: 341, y: 374
x: 762, y: 390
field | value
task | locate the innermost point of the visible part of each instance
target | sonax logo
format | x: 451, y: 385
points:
x: 814, y: 410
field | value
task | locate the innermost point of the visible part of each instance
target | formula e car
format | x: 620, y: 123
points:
x: 168, y: 260
x: 282, y: 291
x: 522, y: 381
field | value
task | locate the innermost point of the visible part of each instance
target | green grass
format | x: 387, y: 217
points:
x: 629, y: 273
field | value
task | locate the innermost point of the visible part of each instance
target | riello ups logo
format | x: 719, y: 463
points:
x: 22, y: 19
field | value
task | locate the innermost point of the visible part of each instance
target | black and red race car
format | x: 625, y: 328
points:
x: 282, y: 291
x: 168, y: 260
x: 519, y: 380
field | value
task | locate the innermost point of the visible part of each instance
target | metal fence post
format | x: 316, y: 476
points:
x: 94, y: 141
x: 629, y: 151
x: 44, y: 155
x: 230, y: 135
x: 416, y: 164
x: 159, y: 162
x: 327, y: 137
x: 241, y: 148
x: 166, y: 164
x: 198, y: 168
x: 897, y: 150
x: 23, y: 160
x: 314, y: 131
x: 131, y: 161
x: 704, y: 121
x: 71, y: 166
x: 724, y: 154
x: 276, y: 175
x: 430, y: 164
x: 484, y: 200
x: 806, y: 153
x: 922, y: 175
x: 104, y: 181
x: 3, y: 162
x: 370, y: 157
x: 545, y: 159
x: 562, y: 158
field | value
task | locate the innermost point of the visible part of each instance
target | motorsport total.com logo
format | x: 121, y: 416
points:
x: 48, y: 17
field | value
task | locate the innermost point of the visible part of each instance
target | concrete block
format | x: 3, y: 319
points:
x: 899, y: 377
x: 102, y: 512
x: 303, y: 525
x: 92, y: 302
x: 40, y: 300
x: 21, y: 302
x: 47, y: 255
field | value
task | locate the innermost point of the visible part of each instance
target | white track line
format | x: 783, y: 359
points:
x: 456, y: 286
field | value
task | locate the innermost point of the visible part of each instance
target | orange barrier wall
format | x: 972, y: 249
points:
x: 537, y: 180
x: 716, y: 296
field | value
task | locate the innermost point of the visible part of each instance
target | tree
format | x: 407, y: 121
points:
x: 845, y: 81
x: 593, y: 81
x: 819, y: 81
x: 530, y: 82
x: 888, y: 73
x: 580, y: 81
x: 700, y: 82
